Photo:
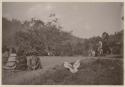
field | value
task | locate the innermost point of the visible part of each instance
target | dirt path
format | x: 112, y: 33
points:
x: 47, y: 62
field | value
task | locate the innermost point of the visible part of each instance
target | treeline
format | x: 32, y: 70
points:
x: 48, y: 37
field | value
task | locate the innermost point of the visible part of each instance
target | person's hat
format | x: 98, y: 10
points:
x: 31, y: 52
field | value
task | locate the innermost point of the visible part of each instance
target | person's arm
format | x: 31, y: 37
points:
x: 17, y: 60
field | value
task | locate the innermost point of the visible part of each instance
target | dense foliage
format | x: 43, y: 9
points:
x: 44, y: 37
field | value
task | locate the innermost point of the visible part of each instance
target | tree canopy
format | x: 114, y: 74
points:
x: 49, y: 36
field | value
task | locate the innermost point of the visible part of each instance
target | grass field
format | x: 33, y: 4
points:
x: 92, y: 71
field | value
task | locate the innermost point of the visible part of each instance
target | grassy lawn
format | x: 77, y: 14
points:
x: 92, y: 71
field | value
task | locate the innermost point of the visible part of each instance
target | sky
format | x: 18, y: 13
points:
x: 85, y: 19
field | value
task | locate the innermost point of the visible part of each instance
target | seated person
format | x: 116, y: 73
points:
x: 33, y: 61
x: 11, y: 63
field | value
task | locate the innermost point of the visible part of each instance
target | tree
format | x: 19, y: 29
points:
x: 44, y: 37
x: 105, y: 36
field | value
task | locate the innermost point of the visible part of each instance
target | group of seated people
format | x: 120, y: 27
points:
x: 30, y: 62
x: 96, y: 52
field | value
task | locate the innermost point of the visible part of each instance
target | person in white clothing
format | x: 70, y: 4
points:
x: 11, y: 63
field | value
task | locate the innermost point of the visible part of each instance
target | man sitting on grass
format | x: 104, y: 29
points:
x: 33, y: 61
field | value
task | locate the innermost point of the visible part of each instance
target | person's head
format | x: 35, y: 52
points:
x: 100, y: 42
x: 34, y: 53
x: 31, y: 53
x: 28, y: 54
x: 13, y: 50
x: 7, y: 49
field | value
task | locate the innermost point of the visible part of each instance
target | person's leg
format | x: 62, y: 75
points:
x: 28, y: 62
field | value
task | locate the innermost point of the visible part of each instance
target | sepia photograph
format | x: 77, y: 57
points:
x: 62, y: 43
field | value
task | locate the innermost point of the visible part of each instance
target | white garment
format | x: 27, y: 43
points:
x: 13, y: 55
x: 73, y: 68
x: 12, y: 58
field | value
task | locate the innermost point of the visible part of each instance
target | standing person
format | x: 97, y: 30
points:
x: 11, y: 63
x: 92, y: 52
x: 100, y: 50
